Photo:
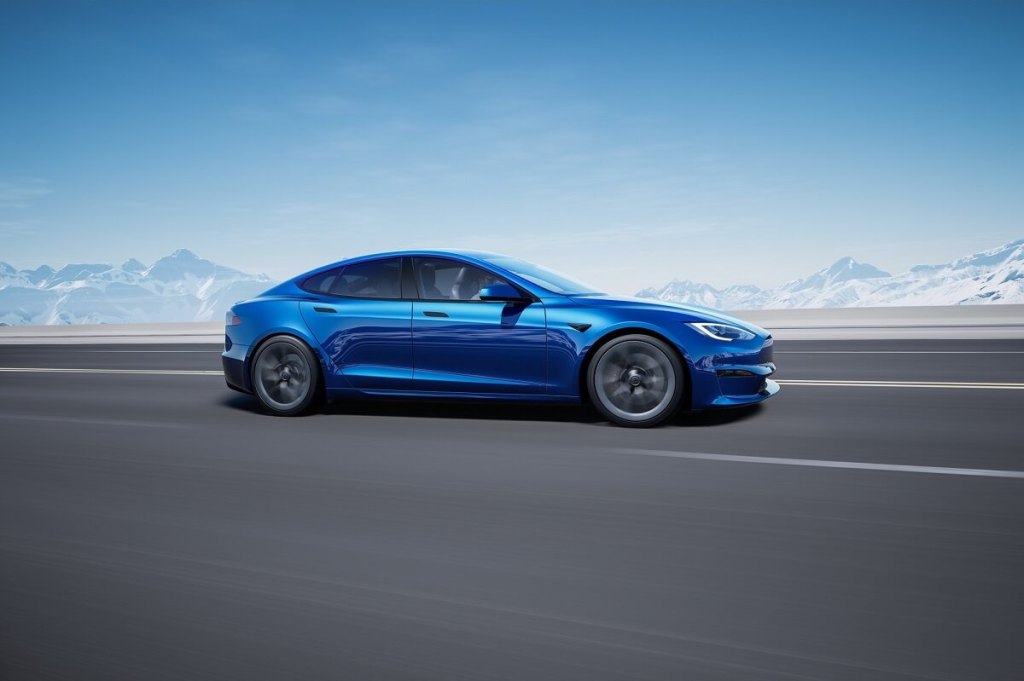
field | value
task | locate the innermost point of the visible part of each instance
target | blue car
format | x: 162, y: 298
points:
x: 462, y: 324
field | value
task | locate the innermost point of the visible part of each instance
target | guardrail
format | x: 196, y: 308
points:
x: 860, y: 323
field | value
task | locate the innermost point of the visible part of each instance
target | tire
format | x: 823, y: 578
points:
x: 286, y: 377
x: 636, y: 381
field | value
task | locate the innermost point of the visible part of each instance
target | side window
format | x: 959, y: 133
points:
x: 321, y: 283
x: 443, y: 279
x: 371, y: 279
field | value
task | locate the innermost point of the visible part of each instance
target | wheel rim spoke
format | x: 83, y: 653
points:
x: 635, y: 380
x: 283, y: 376
x: 275, y: 392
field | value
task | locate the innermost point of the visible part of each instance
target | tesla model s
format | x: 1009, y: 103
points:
x: 472, y: 325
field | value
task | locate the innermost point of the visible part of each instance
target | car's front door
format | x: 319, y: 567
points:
x: 464, y: 344
x: 362, y: 322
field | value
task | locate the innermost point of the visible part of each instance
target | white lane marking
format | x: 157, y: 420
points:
x: 943, y: 385
x: 899, y: 352
x: 211, y: 352
x: 92, y: 422
x: 151, y: 372
x: 824, y: 463
x: 793, y: 382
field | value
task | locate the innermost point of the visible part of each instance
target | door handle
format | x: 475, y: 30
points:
x: 434, y: 313
x: 325, y: 310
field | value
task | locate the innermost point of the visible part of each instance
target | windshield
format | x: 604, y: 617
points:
x: 542, y: 276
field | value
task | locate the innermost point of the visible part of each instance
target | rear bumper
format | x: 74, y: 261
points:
x: 233, y: 361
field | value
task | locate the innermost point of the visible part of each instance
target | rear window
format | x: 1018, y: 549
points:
x: 370, y: 279
x: 321, y: 283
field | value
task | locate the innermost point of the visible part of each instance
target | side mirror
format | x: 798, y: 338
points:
x: 502, y: 292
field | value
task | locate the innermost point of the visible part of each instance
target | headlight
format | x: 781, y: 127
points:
x: 231, y: 319
x: 722, y: 332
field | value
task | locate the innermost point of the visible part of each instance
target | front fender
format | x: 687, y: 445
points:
x: 575, y: 332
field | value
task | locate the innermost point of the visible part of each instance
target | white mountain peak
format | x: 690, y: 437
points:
x: 178, y: 287
x: 995, y: 275
x: 844, y: 269
x: 183, y: 286
x: 132, y: 265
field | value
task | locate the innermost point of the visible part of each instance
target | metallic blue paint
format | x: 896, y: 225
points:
x: 479, y: 347
x: 536, y: 349
x: 367, y: 344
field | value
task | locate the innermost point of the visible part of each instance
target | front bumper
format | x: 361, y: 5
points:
x: 740, y: 382
x: 732, y: 379
x: 765, y: 389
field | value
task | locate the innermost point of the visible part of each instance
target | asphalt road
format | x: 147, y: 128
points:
x: 155, y: 526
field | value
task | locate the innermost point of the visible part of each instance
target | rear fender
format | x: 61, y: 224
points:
x: 261, y: 319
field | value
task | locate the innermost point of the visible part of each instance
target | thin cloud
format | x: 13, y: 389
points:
x: 321, y: 105
x: 17, y: 228
x: 603, y: 236
x: 396, y: 61
x: 22, y: 193
x: 251, y: 114
x: 366, y: 71
x: 248, y: 60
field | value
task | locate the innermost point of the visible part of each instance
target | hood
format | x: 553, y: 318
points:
x: 691, y: 313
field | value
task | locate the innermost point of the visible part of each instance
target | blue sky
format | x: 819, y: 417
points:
x: 624, y: 142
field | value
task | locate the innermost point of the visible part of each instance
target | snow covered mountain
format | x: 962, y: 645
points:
x: 178, y: 287
x: 993, y: 276
x: 185, y: 287
x: 732, y: 298
x: 842, y: 270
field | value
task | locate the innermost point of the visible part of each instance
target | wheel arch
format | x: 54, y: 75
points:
x: 292, y: 333
x: 618, y: 332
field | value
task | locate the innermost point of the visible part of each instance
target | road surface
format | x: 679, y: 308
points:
x: 866, y: 523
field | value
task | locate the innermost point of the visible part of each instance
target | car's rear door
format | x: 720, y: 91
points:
x: 465, y: 345
x: 362, y: 322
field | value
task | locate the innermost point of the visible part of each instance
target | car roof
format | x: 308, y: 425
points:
x: 480, y: 258
x: 430, y: 252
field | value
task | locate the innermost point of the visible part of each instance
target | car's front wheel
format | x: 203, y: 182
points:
x: 636, y: 380
x: 286, y: 376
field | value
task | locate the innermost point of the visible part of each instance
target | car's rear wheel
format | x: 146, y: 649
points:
x: 636, y: 380
x: 286, y: 376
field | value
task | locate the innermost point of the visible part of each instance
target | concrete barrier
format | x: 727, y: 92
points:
x: 855, y: 323
x: 859, y: 323
x: 184, y: 332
